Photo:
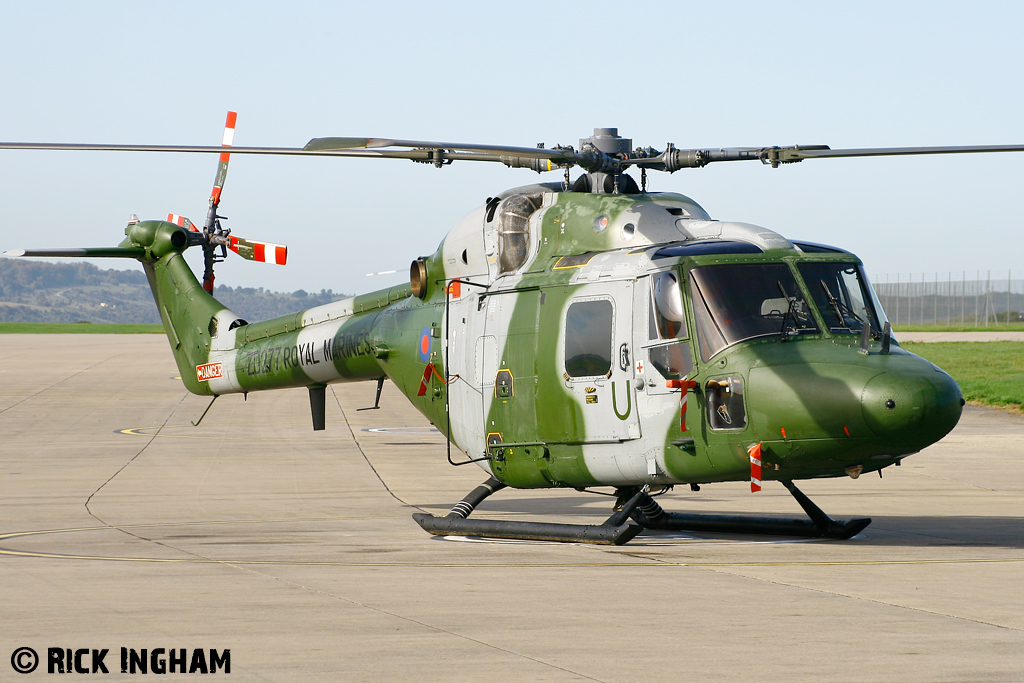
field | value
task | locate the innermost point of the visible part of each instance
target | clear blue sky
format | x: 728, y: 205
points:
x: 697, y: 74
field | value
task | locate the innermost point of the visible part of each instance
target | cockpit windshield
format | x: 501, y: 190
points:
x: 842, y: 295
x: 740, y: 301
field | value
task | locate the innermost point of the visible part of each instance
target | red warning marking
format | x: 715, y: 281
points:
x: 429, y: 373
x: 181, y: 221
x: 455, y: 289
x: 260, y: 250
x: 686, y: 386
x: 755, y: 467
x: 209, y: 371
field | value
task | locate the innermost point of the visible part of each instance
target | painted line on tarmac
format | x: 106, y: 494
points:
x: 639, y: 562
x: 157, y: 432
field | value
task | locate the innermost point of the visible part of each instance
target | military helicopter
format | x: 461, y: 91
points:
x: 583, y: 333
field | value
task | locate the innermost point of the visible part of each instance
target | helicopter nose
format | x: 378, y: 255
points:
x: 922, y: 406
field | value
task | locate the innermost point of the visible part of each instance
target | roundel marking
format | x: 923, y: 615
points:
x: 425, y: 344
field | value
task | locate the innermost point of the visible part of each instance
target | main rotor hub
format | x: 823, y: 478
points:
x: 607, y: 140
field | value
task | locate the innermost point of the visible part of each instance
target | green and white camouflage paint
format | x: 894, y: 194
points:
x: 557, y: 362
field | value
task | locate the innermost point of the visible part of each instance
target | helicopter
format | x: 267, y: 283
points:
x: 582, y: 334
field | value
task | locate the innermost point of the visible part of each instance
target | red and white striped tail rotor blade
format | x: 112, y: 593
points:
x: 253, y: 250
x: 222, y: 167
x: 182, y: 221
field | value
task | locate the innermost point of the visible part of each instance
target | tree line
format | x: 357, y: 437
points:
x: 37, y: 291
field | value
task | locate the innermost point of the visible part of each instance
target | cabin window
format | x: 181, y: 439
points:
x: 725, y: 403
x: 514, y: 231
x: 588, y: 338
x: 842, y: 294
x: 735, y: 302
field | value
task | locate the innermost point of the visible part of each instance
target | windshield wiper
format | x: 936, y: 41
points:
x: 834, y: 303
x: 783, y: 335
x: 839, y: 307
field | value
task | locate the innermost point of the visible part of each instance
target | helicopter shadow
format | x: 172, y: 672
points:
x: 930, y: 531
x: 895, y: 532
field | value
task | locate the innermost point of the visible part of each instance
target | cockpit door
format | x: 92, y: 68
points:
x: 662, y: 339
x: 662, y: 333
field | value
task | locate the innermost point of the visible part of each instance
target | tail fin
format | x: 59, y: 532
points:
x: 190, y: 315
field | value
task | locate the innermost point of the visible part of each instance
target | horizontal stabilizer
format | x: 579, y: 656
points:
x: 86, y: 252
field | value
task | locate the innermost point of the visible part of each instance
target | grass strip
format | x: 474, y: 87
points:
x: 989, y: 373
x: 1002, y: 327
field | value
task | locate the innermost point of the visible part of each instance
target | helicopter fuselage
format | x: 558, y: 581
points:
x: 577, y: 339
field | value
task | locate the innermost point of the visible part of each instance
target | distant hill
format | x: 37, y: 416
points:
x: 34, y: 291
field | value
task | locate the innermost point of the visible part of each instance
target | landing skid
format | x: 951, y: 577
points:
x: 643, y: 509
x: 649, y: 514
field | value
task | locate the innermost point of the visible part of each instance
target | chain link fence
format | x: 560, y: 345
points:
x: 980, y: 298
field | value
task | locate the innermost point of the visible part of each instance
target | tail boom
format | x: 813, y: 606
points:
x: 217, y: 352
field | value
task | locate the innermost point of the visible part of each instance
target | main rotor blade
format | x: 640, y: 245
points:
x: 787, y: 154
x: 425, y: 155
x: 537, y: 159
x: 674, y: 159
x: 187, y: 149
x: 565, y: 156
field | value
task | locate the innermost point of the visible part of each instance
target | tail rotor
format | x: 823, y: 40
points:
x: 214, y: 238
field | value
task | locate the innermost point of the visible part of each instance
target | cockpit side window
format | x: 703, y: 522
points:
x: 514, y: 230
x: 667, y: 319
x: 667, y: 322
